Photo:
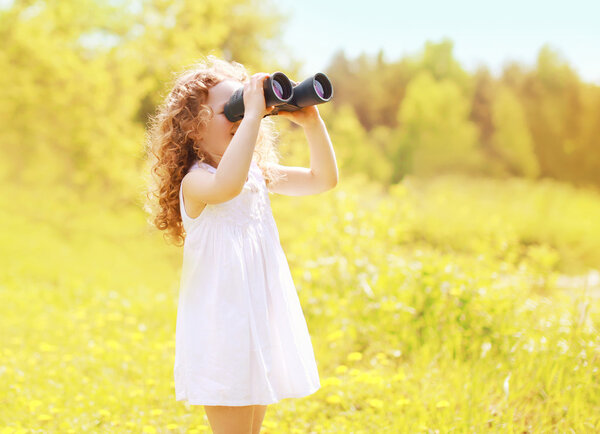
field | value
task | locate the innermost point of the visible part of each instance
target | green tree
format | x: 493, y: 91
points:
x: 81, y: 76
x: 481, y: 111
x: 562, y: 115
x: 511, y: 138
x: 435, y: 132
x: 375, y: 87
x: 173, y: 35
x: 372, y: 86
x: 67, y: 100
x: 438, y: 59
x: 356, y: 152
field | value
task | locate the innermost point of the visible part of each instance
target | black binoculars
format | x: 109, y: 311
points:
x: 283, y: 95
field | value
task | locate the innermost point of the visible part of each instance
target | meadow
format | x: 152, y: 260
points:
x: 445, y: 305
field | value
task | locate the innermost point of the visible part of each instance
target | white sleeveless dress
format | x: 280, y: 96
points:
x: 241, y: 336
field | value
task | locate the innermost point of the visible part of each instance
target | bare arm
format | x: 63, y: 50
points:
x: 235, y: 163
x: 228, y: 181
x: 323, y: 172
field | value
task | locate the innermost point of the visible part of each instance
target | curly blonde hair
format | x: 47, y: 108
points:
x: 173, y: 147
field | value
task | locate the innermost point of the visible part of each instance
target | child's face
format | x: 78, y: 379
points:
x: 219, y: 131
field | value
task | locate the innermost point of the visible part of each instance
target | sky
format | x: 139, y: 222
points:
x: 484, y: 32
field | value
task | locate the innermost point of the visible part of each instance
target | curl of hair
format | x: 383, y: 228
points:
x: 172, y: 145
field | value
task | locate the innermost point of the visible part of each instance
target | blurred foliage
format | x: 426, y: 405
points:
x: 511, y: 139
x: 436, y: 133
x: 437, y: 301
x: 542, y: 122
x: 81, y: 77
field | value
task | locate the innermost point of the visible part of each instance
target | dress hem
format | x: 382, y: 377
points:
x: 239, y: 404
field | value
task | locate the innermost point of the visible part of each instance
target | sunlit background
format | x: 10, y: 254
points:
x: 484, y: 34
x: 450, y: 281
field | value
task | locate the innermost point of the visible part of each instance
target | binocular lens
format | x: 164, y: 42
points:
x: 278, y: 89
x: 319, y: 89
x: 323, y: 86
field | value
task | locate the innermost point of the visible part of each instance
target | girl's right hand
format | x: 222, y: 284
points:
x: 254, y: 96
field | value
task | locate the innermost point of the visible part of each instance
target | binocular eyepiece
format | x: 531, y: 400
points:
x: 283, y: 95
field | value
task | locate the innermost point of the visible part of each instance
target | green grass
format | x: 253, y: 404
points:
x: 434, y: 307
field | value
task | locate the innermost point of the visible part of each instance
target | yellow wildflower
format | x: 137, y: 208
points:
x: 377, y: 403
x: 341, y: 369
x: 334, y: 336
x: 399, y: 376
x: 331, y: 381
x: 403, y: 401
x: 454, y: 291
x: 270, y: 424
x: 46, y: 347
x: 33, y: 404
x: 442, y: 404
x: 355, y: 356
x: 333, y: 399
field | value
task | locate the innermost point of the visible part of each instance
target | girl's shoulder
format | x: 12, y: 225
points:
x: 198, y: 165
x: 202, y: 165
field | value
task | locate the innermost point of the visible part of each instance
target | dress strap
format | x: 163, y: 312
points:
x: 253, y: 167
x: 182, y: 210
x: 195, y: 166
x: 205, y: 165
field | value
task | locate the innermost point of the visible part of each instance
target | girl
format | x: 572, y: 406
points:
x: 241, y: 338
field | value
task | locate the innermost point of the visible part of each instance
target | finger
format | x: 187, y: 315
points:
x: 258, y: 79
x: 260, y: 76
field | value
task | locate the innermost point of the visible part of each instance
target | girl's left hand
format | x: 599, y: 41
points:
x: 303, y: 117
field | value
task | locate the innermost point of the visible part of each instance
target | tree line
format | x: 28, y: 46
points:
x: 80, y: 79
x: 425, y: 114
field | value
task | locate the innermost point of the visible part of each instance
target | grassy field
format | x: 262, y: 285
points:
x: 449, y: 305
